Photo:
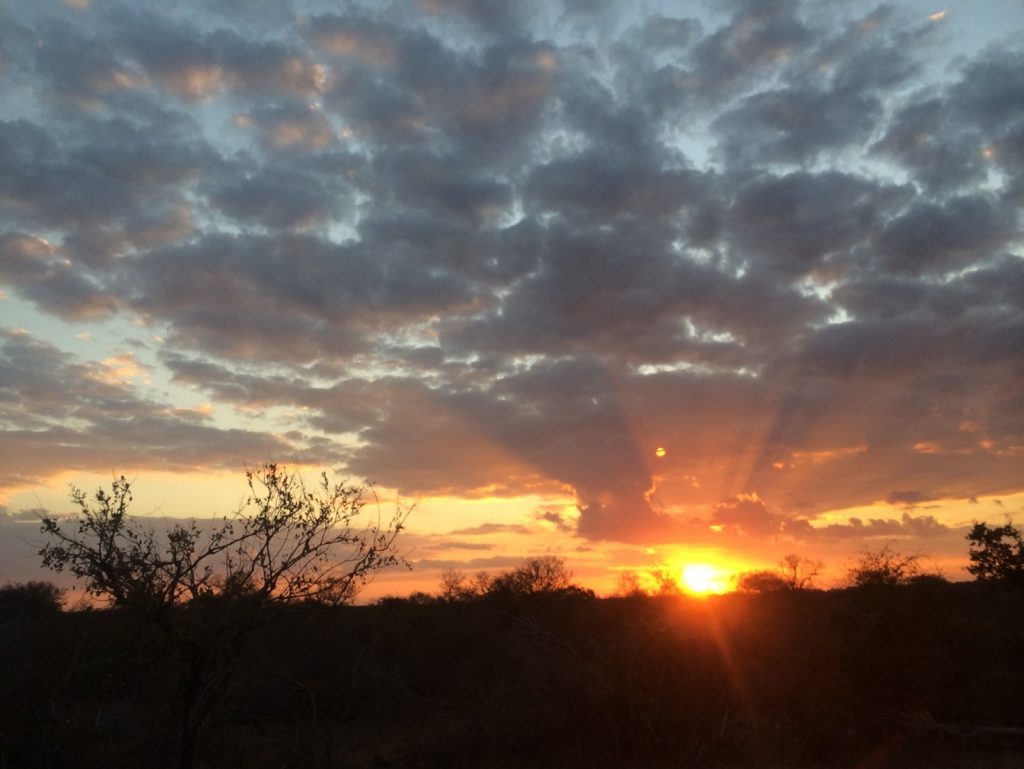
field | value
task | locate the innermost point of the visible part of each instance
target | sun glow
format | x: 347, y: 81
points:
x: 700, y: 579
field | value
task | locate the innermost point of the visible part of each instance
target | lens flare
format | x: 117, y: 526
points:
x: 698, y: 578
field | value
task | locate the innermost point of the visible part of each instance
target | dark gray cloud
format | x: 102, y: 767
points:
x: 830, y: 94
x: 195, y: 63
x: 961, y: 135
x: 796, y: 223
x: 104, y: 176
x: 505, y: 249
x: 794, y: 126
x: 923, y: 527
x: 757, y: 37
x: 491, y: 528
x: 952, y: 235
x: 57, y: 411
x: 277, y: 198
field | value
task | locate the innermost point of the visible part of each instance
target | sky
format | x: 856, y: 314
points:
x: 634, y: 284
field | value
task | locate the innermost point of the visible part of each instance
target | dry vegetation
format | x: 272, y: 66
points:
x: 220, y: 666
x: 892, y: 675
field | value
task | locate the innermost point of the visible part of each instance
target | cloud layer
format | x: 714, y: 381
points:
x: 510, y: 250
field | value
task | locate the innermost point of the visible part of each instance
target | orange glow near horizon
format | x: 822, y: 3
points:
x: 702, y: 579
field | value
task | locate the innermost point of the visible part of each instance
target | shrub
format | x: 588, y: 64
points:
x: 23, y: 599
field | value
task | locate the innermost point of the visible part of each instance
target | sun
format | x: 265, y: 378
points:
x: 698, y: 578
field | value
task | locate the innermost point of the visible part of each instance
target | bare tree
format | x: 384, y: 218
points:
x: 792, y: 573
x: 666, y: 580
x: 798, y: 572
x: 884, y: 567
x: 205, y: 590
x: 455, y: 585
x: 629, y: 585
x: 482, y: 582
x: 543, y: 575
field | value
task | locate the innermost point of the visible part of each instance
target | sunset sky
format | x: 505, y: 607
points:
x: 629, y: 283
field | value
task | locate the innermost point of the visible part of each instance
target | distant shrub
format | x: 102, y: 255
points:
x: 761, y: 581
x: 23, y: 599
x: 928, y: 580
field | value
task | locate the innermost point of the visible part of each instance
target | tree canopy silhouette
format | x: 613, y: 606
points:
x: 794, y: 572
x: 996, y: 553
x: 206, y: 589
x: 285, y: 543
x: 884, y: 566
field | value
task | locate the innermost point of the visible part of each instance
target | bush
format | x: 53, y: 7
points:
x: 23, y: 599
x: 761, y: 581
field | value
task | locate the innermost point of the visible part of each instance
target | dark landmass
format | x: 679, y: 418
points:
x: 925, y: 675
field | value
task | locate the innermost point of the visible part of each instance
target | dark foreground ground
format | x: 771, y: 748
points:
x: 917, y: 676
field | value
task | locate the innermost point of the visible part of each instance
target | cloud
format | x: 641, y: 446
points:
x: 196, y: 64
x: 955, y: 234
x: 481, y: 250
x: 748, y: 514
x: 907, y: 497
x: 908, y: 526
x: 798, y: 223
x: 60, y: 413
x: 556, y: 518
x: 278, y: 198
x: 292, y: 127
x: 759, y: 35
x: 953, y: 139
x: 494, y: 562
x: 491, y: 528
x: 21, y: 516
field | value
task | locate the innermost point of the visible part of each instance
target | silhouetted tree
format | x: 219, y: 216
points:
x: 458, y: 586
x: 996, y: 553
x: 793, y: 573
x: 481, y: 582
x: 454, y: 586
x: 629, y: 585
x: 884, y: 567
x: 24, y: 599
x: 543, y: 575
x: 798, y: 572
x: 760, y: 581
x: 205, y: 591
x: 666, y: 581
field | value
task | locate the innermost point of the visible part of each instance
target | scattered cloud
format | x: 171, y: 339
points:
x: 491, y: 528
x: 492, y: 249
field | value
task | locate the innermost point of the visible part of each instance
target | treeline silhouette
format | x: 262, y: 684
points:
x: 237, y: 646
x: 927, y: 674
